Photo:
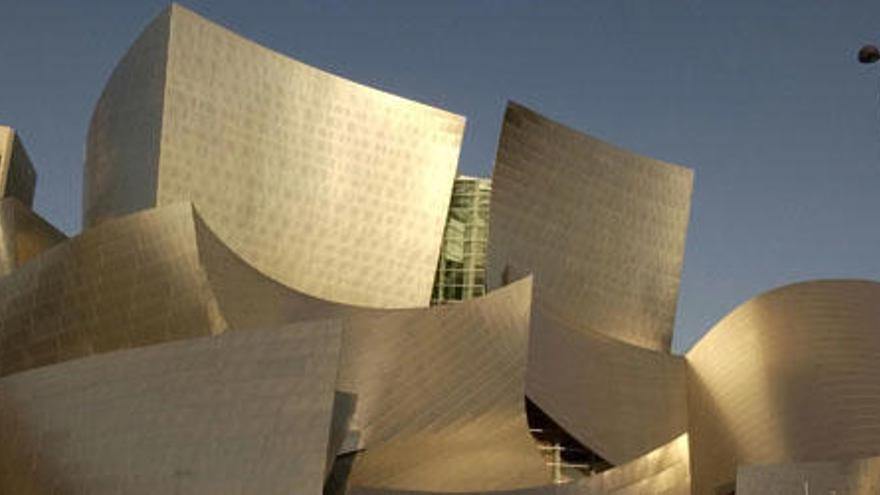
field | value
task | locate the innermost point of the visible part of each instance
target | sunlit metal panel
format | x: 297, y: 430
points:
x: 602, y: 229
x: 246, y: 412
x: 333, y: 188
x: 792, y: 375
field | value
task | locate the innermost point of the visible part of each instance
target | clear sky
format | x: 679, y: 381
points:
x: 763, y: 99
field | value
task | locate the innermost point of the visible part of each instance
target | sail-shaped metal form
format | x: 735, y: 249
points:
x: 792, y: 375
x: 331, y: 187
x: 601, y: 228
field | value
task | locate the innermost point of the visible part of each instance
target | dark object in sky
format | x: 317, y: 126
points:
x: 869, y: 54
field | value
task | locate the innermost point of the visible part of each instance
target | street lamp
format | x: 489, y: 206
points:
x: 869, y: 54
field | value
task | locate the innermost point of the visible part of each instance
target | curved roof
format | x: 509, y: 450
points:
x: 791, y: 375
x: 602, y: 229
x: 331, y: 187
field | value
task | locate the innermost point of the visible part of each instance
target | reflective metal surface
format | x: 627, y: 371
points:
x: 333, y: 188
x: 131, y: 282
x: 663, y: 471
x: 18, y: 179
x: 791, y: 375
x: 602, y: 229
x: 23, y: 235
x: 855, y: 477
x: 163, y: 275
x: 238, y: 413
x: 440, y: 395
x: 619, y: 400
x: 232, y: 190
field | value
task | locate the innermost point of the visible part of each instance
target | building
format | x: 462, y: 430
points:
x: 17, y: 176
x: 228, y: 320
x: 461, y: 271
x: 328, y: 186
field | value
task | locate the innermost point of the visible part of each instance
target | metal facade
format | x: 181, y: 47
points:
x: 602, y: 229
x: 23, y: 235
x: 790, y: 376
x: 619, y: 400
x: 333, y: 188
x: 240, y: 314
x: 851, y: 477
x: 239, y: 413
x: 440, y: 395
x: 18, y: 179
x: 663, y: 471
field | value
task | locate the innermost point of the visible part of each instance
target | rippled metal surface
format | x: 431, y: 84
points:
x: 237, y: 413
x: 333, y: 188
x: 791, y: 375
x: 602, y: 229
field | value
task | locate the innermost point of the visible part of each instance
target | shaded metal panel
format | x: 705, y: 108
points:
x: 791, y: 375
x: 440, y: 395
x: 332, y: 188
x: 856, y: 477
x: 130, y: 282
x: 619, y: 400
x: 248, y: 299
x: 602, y: 229
x: 123, y: 141
x: 23, y: 235
x: 239, y: 413
x: 18, y: 179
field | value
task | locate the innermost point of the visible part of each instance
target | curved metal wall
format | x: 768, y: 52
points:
x: 440, y: 395
x: 620, y: 400
x: 130, y: 282
x: 333, y: 188
x: 123, y: 142
x: 791, y: 375
x: 23, y: 235
x: 429, y: 385
x: 237, y: 413
x: 663, y: 471
x: 18, y: 179
x: 602, y: 229
x: 853, y: 477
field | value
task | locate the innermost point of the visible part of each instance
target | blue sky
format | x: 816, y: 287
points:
x: 764, y: 100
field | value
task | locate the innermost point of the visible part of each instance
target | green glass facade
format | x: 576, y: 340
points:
x: 461, y: 271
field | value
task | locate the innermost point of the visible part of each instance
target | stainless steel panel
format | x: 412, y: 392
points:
x: 332, y: 188
x: 602, y: 229
x: 237, y: 413
x: 792, y: 375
